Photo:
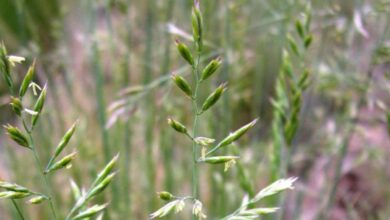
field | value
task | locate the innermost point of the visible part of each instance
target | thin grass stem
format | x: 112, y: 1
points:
x: 39, y: 166
x: 150, y: 104
x: 17, y: 209
x: 165, y: 139
x: 127, y: 198
x: 195, y: 172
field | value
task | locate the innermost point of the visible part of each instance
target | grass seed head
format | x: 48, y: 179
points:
x: 237, y: 134
x: 65, y: 140
x: 214, y: 97
x: 293, y: 45
x: 17, y: 106
x: 210, y: 69
x: 177, y: 126
x: 184, y: 52
x: 5, y: 66
x: 308, y: 40
x: 101, y: 186
x: 218, y: 159
x: 39, y: 105
x: 37, y: 200
x: 164, y: 195
x: 17, y: 135
x: 65, y: 162
x: 91, y: 211
x: 182, y: 84
x: 197, y: 25
x: 13, y: 187
x: 304, y: 80
x: 286, y: 64
x: 299, y: 28
x: 106, y: 170
x: 27, y: 80
x: 14, y: 195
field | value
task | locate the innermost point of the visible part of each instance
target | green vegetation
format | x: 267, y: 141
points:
x: 216, y: 106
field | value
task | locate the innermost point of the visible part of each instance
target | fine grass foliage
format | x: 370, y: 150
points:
x: 24, y: 137
x: 203, y: 148
x: 285, y: 89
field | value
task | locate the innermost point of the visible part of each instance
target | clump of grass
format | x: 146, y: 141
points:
x: 29, y: 117
x: 292, y: 81
x: 203, y: 148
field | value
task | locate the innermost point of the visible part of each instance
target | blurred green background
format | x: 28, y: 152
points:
x: 93, y: 53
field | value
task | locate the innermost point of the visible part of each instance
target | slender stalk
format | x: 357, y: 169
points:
x: 116, y: 190
x: 98, y: 75
x: 127, y: 127
x: 195, y: 187
x: 100, y: 99
x: 195, y: 172
x: 39, y: 166
x: 166, y: 138
x: 226, y: 111
x: 12, y: 160
x: 13, y: 201
x: 150, y: 104
x: 18, y: 209
x: 46, y: 182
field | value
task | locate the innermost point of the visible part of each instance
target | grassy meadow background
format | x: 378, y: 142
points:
x: 94, y: 54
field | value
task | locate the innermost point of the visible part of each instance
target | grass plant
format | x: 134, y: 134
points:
x: 324, y: 109
x: 29, y: 117
x: 203, y: 148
